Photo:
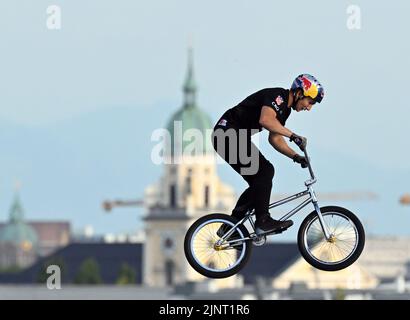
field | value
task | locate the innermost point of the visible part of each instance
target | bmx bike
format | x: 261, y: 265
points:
x: 330, y: 238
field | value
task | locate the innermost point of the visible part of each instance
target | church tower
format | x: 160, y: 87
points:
x: 188, y: 189
x: 19, y: 245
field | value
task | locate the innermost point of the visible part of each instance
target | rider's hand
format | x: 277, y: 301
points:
x: 299, y: 140
x: 300, y: 159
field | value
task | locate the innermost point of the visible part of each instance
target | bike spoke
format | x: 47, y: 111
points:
x: 207, y: 255
x: 212, y: 233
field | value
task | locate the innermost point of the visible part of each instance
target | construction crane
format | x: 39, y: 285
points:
x: 109, y: 205
x: 335, y: 196
x: 405, y: 199
x: 338, y: 196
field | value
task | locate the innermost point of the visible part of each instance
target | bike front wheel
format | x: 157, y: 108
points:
x: 344, y: 246
x: 210, y: 259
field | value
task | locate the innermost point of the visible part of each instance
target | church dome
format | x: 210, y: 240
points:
x: 16, y: 231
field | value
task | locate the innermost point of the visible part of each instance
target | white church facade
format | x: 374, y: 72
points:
x: 188, y: 189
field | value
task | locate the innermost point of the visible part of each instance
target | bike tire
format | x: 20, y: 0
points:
x: 334, y: 266
x: 216, y: 217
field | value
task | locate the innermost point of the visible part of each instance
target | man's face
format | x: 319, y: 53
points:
x: 304, y: 104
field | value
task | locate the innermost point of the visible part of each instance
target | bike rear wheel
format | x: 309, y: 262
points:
x: 342, y: 249
x: 216, y: 261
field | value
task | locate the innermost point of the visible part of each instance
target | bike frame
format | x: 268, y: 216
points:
x: 311, y: 199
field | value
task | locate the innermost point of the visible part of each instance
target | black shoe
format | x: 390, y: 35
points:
x: 238, y: 213
x: 268, y: 225
x: 223, y: 229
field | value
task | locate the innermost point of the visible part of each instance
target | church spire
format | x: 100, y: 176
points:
x: 16, y: 210
x: 190, y: 86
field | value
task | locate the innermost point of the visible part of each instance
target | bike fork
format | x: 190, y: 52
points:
x: 319, y: 214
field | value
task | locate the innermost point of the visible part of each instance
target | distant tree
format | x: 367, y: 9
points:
x: 88, y: 273
x: 340, y: 294
x: 42, y: 275
x: 11, y: 269
x: 126, y: 275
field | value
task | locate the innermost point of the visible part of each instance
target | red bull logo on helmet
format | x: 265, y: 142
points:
x: 311, y: 87
x: 306, y: 83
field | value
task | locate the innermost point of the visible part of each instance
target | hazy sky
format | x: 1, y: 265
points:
x: 132, y: 53
x: 121, y: 54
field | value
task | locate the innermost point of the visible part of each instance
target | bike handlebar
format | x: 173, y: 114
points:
x: 309, y: 166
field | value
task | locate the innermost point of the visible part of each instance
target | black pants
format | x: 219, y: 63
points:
x: 254, y: 168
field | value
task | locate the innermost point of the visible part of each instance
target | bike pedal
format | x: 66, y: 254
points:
x: 260, y: 232
x: 282, y: 230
